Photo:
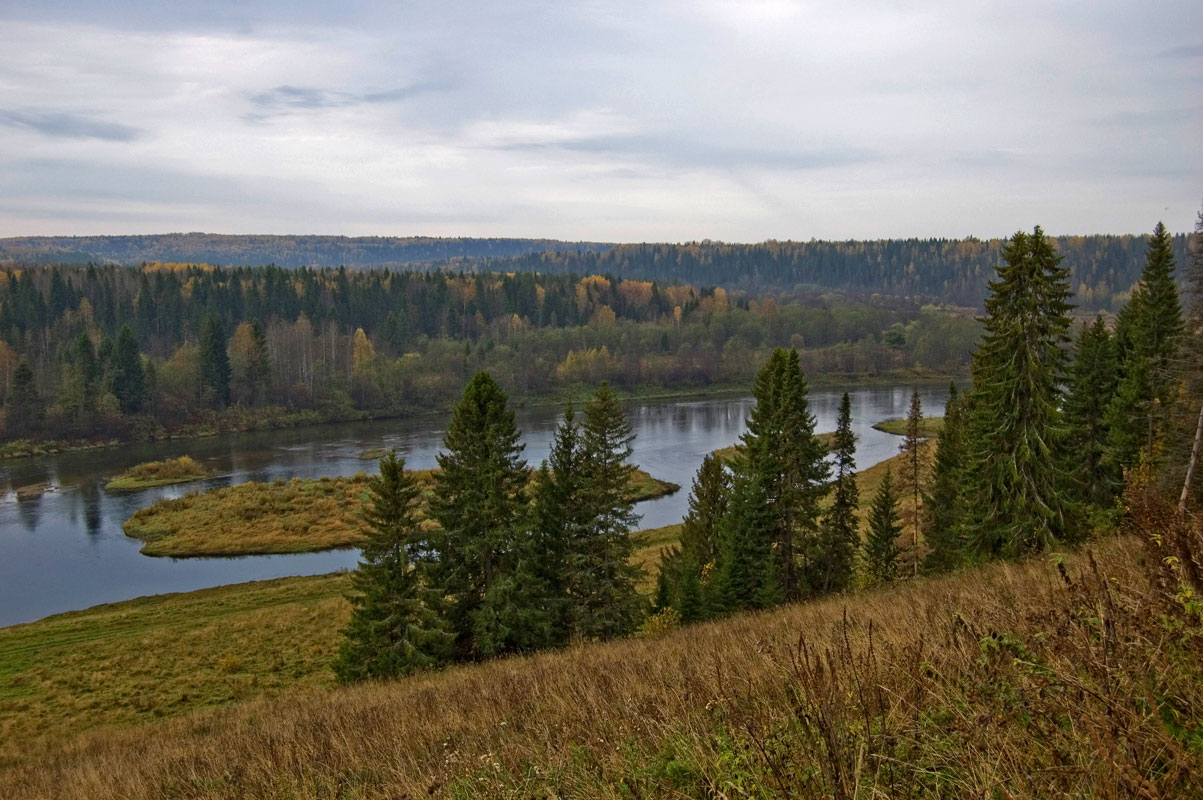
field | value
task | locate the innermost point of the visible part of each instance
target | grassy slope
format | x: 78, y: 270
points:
x: 983, y: 683
x: 158, y: 473
x: 280, y: 517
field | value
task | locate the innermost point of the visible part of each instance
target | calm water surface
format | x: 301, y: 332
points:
x: 65, y: 550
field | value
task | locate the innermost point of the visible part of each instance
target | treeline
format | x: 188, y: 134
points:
x: 117, y: 351
x: 506, y: 568
x: 284, y: 251
x: 1034, y: 457
x: 1104, y: 268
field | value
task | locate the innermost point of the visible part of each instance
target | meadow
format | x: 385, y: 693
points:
x: 293, y: 516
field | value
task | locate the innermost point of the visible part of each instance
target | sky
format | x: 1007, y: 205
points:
x: 616, y: 121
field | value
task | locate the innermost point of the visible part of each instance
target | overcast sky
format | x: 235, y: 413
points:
x: 609, y: 121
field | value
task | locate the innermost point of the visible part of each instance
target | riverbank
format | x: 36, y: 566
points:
x: 239, y: 420
x: 295, y: 516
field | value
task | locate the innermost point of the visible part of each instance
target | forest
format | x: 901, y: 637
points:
x: 137, y: 352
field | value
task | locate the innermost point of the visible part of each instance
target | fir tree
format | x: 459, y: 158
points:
x: 603, y: 580
x: 477, y: 498
x: 840, y: 534
x: 1092, y: 387
x: 215, y: 363
x: 745, y: 549
x: 129, y: 381
x: 392, y: 630
x: 945, y: 547
x: 912, y: 481
x: 707, y: 506
x: 84, y: 382
x: 1019, y: 498
x: 881, y: 546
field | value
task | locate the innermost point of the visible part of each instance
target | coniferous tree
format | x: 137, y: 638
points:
x: 1149, y: 334
x: 840, y: 533
x: 945, y: 510
x: 477, y: 499
x: 23, y: 413
x: 393, y: 630
x: 881, y: 545
x: 84, y: 380
x: 1091, y: 389
x: 129, y: 380
x: 215, y: 363
x: 912, y: 478
x: 603, y: 580
x: 1187, y: 455
x: 1019, y: 498
x: 745, y: 549
x: 707, y: 507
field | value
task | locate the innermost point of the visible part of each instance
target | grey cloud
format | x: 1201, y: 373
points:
x: 287, y: 99
x: 68, y: 126
x: 1159, y: 116
x: 685, y: 153
x: 1185, y: 51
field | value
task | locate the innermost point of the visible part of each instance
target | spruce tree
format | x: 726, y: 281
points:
x: 944, y: 503
x: 881, y: 545
x: 214, y: 363
x: 129, y: 381
x: 1091, y: 389
x: 603, y: 580
x: 393, y: 630
x: 1019, y: 496
x: 916, y: 465
x: 23, y: 413
x: 478, y: 497
x: 745, y: 549
x: 840, y: 534
x: 707, y: 506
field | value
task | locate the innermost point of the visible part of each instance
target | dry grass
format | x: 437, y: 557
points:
x: 294, y: 516
x: 930, y: 427
x: 158, y: 473
x: 1013, y: 680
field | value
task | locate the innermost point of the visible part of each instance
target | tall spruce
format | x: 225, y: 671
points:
x: 393, y: 630
x: 707, y: 506
x: 781, y: 451
x: 214, y: 363
x: 603, y: 589
x: 129, y: 379
x: 746, y: 570
x: 1019, y: 496
x: 478, y: 497
x: 881, y: 544
x: 944, y: 503
x: 915, y: 460
x: 1150, y: 334
x: 1092, y: 387
x: 840, y: 533
x: 23, y: 412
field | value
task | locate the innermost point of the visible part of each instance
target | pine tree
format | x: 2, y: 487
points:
x: 1091, y: 389
x: 881, y: 546
x: 215, y: 363
x: 840, y: 534
x: 129, y: 381
x: 916, y: 464
x: 945, y: 547
x: 393, y: 630
x: 478, y: 497
x: 603, y: 581
x: 1018, y: 493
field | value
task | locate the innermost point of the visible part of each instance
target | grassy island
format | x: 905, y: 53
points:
x: 931, y: 426
x: 294, y: 516
x: 158, y: 473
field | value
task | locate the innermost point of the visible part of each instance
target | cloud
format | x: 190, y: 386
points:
x: 68, y: 126
x: 1185, y: 51
x: 287, y: 99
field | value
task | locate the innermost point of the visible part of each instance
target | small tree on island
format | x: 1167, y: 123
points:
x: 392, y: 631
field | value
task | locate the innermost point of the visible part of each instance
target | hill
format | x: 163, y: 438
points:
x: 1008, y: 680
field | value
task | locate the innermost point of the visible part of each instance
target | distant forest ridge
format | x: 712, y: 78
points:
x: 283, y: 251
x: 1103, y: 267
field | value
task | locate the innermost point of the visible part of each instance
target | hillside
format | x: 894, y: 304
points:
x: 997, y: 681
x: 283, y: 251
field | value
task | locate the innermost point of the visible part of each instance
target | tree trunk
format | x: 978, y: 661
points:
x: 1190, y: 467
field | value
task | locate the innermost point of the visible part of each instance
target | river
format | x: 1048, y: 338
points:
x: 65, y: 549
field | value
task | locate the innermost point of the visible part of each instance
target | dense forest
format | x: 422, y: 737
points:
x: 1104, y: 268
x: 285, y: 251
x: 140, y: 351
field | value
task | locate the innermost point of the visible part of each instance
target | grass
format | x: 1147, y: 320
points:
x: 294, y: 516
x: 1050, y: 677
x: 158, y: 473
x: 930, y: 426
